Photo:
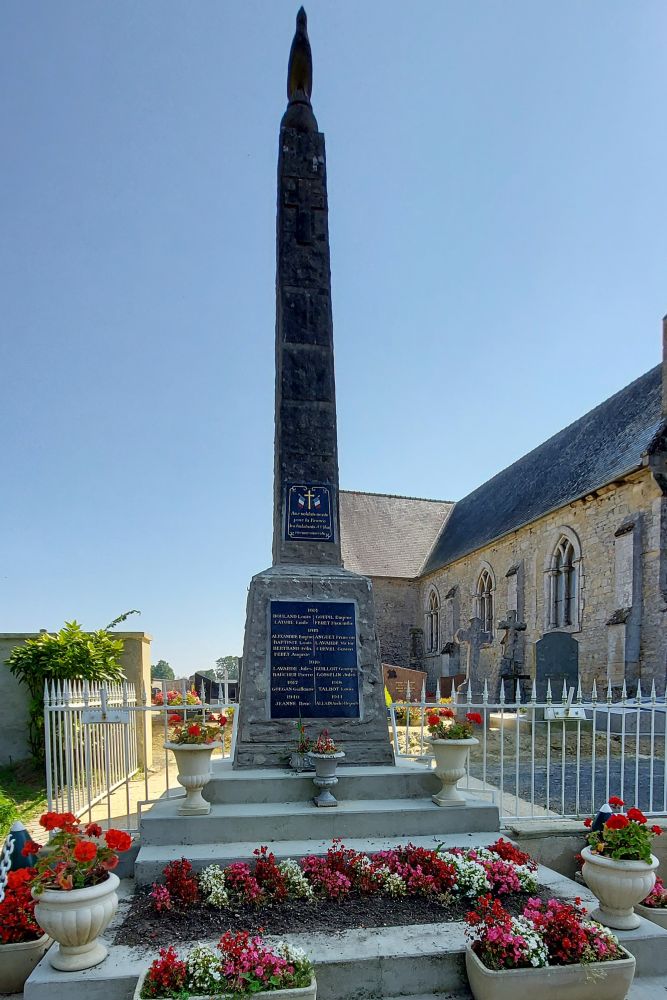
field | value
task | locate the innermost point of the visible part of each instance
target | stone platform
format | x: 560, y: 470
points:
x: 422, y: 962
x: 385, y: 805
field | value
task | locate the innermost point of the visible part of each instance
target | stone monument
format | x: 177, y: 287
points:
x: 310, y: 648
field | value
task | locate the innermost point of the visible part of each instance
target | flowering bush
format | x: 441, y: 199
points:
x: 551, y: 933
x: 657, y: 897
x: 17, y: 910
x: 303, y: 742
x: 624, y: 836
x: 76, y: 856
x: 181, y: 883
x: 195, y: 731
x: 403, y: 870
x: 324, y: 744
x: 176, y: 698
x: 242, y: 965
x: 443, y: 724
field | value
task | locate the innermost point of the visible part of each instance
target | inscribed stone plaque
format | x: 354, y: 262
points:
x: 557, y: 655
x: 309, y: 514
x: 314, y: 660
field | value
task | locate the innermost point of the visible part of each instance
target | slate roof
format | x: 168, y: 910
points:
x: 595, y: 450
x: 383, y: 535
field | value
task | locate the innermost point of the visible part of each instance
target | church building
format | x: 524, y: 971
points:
x: 570, y: 538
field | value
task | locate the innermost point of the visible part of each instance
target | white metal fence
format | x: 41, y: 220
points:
x: 99, y: 739
x: 555, y: 757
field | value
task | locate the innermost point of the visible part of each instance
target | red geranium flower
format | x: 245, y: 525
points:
x: 615, y: 801
x: 617, y: 822
x: 118, y: 840
x: 57, y: 821
x: 174, y: 719
x: 447, y: 713
x: 637, y: 815
x: 84, y: 850
x: 194, y: 729
x: 93, y: 830
x: 30, y: 848
x: 433, y: 720
x: 588, y: 822
x: 474, y: 717
x: 657, y: 830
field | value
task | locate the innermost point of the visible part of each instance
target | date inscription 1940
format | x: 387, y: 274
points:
x: 314, y: 660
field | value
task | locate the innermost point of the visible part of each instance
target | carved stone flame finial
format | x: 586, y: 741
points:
x: 299, y: 114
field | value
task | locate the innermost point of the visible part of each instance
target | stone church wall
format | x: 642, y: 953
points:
x: 621, y: 626
x: 397, y: 611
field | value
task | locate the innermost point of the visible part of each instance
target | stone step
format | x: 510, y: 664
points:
x: 650, y: 988
x: 410, y: 780
x: 153, y: 858
x: 270, y: 821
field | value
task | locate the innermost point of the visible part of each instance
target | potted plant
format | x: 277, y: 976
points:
x: 325, y: 756
x: 299, y: 758
x: 451, y: 740
x: 619, y: 867
x: 654, y: 907
x: 552, y: 950
x: 192, y: 741
x: 242, y: 966
x: 22, y: 940
x: 74, y: 887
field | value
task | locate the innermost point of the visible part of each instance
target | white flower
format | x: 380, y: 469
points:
x: 471, y: 878
x: 298, y: 885
x: 212, y: 882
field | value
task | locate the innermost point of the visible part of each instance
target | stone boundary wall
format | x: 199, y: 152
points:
x: 14, y: 696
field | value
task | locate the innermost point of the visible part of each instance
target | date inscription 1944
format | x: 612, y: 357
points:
x: 314, y: 660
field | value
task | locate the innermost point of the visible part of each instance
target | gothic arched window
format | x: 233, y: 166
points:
x: 433, y: 622
x: 484, y: 600
x: 564, y: 584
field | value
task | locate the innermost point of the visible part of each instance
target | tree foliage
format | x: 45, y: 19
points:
x: 70, y: 654
x: 162, y: 671
x: 232, y: 664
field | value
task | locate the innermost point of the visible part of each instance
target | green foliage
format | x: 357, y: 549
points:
x: 22, y: 794
x: 232, y: 664
x: 161, y: 671
x: 71, y: 654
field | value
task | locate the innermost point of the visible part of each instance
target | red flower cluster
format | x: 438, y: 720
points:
x: 166, y: 976
x: 475, y: 718
x: 181, y: 883
x: 569, y: 939
x: 614, y: 800
x: 617, y: 822
x: 508, y: 852
x: 637, y: 815
x: 268, y: 875
x: 17, y: 910
x: 422, y: 870
x: 75, y: 858
x: 242, y: 884
x: 496, y: 941
x: 249, y: 965
x: 625, y: 836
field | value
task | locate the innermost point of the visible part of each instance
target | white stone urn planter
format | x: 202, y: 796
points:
x: 611, y: 980
x: 451, y: 763
x: 75, y: 918
x: 18, y: 960
x: 619, y: 886
x: 325, y: 776
x: 193, y: 761
x: 300, y: 761
x: 657, y: 914
x: 303, y: 993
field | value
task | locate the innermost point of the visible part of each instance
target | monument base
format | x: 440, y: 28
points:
x: 263, y: 741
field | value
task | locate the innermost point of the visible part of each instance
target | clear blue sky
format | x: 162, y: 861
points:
x: 497, y: 213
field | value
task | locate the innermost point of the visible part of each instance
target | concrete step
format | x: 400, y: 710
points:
x: 650, y: 988
x: 153, y: 858
x: 269, y: 821
x: 410, y: 780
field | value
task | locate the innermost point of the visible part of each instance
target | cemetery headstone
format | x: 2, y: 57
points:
x: 473, y: 638
x: 557, y: 660
x: 310, y: 648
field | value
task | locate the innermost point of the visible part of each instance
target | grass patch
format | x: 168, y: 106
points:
x: 22, y: 794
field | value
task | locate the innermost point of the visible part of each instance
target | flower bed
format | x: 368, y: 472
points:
x: 344, y: 888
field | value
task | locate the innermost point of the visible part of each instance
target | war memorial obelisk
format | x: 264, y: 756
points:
x: 310, y: 648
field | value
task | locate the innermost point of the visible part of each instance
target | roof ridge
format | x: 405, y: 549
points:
x: 395, y: 496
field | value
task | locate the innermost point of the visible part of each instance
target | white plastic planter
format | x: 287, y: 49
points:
x: 18, y: 960
x: 193, y: 761
x: 451, y: 764
x: 619, y: 886
x: 611, y: 980
x: 75, y: 918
